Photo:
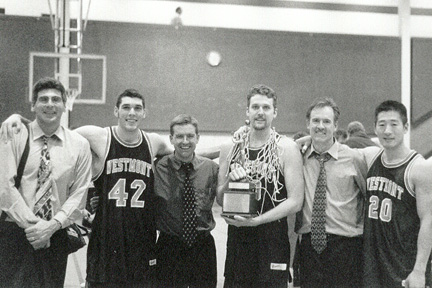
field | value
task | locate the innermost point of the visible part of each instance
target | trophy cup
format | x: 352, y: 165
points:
x: 242, y: 198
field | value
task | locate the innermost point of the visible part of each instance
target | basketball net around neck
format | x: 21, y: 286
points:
x: 265, y: 168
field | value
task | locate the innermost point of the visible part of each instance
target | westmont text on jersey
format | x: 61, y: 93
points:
x: 128, y: 165
x: 385, y: 185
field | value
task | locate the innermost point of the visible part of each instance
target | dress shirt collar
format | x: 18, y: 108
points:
x: 38, y: 133
x: 333, y: 151
x: 177, y: 163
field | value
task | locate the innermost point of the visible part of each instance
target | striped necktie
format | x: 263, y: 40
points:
x: 318, y: 233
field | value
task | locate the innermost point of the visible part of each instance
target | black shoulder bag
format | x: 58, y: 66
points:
x: 75, y: 238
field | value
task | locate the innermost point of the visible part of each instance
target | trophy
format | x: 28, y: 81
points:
x: 242, y: 198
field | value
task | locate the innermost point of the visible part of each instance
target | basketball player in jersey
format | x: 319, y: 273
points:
x: 120, y: 252
x: 259, y: 256
x: 398, y: 220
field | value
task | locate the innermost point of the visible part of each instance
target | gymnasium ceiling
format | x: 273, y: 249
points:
x: 355, y: 17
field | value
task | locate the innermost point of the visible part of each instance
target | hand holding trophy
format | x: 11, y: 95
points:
x: 241, y: 199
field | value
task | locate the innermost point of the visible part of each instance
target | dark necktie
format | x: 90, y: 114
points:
x: 43, y: 205
x: 318, y: 233
x: 189, y: 213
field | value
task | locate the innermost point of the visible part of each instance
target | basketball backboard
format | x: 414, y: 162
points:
x: 87, y: 74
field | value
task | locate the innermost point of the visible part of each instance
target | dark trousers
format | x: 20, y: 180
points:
x: 119, y: 285
x: 234, y: 283
x: 339, y: 265
x: 21, y: 266
x: 181, y: 266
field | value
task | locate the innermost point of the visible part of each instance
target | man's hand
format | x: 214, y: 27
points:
x: 416, y: 279
x: 10, y: 126
x: 94, y: 203
x: 237, y: 172
x: 303, y: 143
x: 39, y: 234
x: 240, y: 221
x: 240, y: 134
x: 87, y: 219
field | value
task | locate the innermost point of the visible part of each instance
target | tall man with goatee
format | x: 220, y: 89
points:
x: 258, y: 252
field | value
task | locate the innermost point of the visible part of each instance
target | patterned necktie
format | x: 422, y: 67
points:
x: 318, y: 233
x: 189, y: 213
x: 43, y: 205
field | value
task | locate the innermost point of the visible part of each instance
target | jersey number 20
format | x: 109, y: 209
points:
x: 385, y: 213
x: 119, y: 193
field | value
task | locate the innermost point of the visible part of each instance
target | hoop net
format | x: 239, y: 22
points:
x: 71, y: 95
x: 266, y: 168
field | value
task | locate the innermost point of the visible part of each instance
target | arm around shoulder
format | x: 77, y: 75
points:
x: 369, y: 153
x: 97, y: 137
x: 91, y: 132
x: 422, y: 182
x: 292, y: 165
x: 160, y: 146
x: 209, y: 152
x: 223, y: 171
x: 12, y: 125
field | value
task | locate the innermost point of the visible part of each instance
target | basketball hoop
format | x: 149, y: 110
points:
x: 71, y: 95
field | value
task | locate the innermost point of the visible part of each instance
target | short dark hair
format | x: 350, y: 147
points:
x: 355, y: 127
x: 392, y: 105
x: 130, y: 93
x: 321, y: 103
x: 264, y: 90
x: 341, y: 135
x: 299, y: 134
x: 183, y: 119
x: 48, y: 83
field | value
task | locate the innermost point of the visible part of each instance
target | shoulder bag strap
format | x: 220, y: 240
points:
x: 20, y: 170
x: 23, y: 161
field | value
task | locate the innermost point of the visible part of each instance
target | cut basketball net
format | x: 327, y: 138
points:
x: 71, y: 95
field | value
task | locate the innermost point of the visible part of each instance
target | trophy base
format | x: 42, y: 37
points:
x: 245, y: 215
x: 240, y: 199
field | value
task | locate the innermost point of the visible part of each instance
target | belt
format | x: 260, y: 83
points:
x: 201, y: 237
x: 333, y: 237
x: 3, y: 216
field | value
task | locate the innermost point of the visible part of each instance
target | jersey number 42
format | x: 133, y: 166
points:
x: 119, y: 193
